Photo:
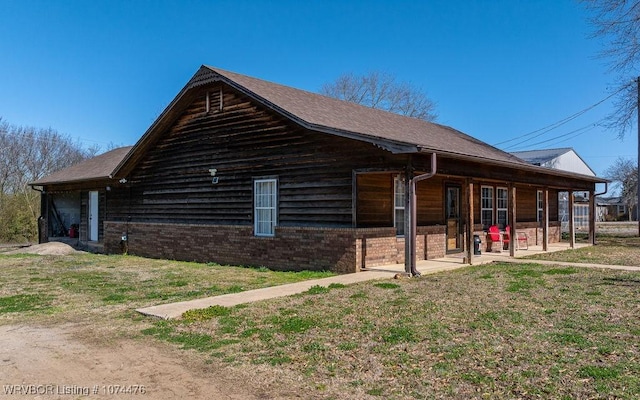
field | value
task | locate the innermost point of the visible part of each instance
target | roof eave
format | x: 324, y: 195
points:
x: 523, y: 166
x: 46, y: 183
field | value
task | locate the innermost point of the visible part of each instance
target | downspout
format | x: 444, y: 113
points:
x: 595, y: 203
x: 410, y: 267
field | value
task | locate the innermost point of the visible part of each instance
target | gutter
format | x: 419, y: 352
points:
x: 606, y: 189
x: 410, y: 265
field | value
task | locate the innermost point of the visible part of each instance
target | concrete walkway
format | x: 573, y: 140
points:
x: 426, y: 267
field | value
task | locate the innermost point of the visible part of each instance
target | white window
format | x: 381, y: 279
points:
x: 398, y: 205
x: 266, y: 206
x: 502, y: 205
x: 540, y: 203
x: 486, y: 207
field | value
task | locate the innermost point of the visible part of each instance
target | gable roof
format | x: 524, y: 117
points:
x: 539, y: 157
x: 98, y: 167
x: 392, y: 132
x: 546, y: 156
x: 389, y: 131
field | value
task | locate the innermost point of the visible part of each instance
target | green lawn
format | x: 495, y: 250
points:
x: 609, y: 249
x: 492, y: 331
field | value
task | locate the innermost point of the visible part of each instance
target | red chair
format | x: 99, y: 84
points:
x: 494, y: 235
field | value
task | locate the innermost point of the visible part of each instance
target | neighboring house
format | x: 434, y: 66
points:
x: 564, y: 159
x: 243, y: 171
x: 614, y: 209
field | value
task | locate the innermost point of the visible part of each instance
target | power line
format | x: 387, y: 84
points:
x: 559, y: 123
x: 575, y: 133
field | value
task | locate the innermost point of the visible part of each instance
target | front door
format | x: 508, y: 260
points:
x: 93, y: 217
x: 454, y: 226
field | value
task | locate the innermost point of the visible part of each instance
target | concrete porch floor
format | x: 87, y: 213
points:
x: 455, y: 261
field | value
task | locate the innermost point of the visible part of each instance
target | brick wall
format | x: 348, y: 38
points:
x: 342, y: 250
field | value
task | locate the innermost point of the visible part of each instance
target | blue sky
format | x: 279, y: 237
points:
x: 102, y: 71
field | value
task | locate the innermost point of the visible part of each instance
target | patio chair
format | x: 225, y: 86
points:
x: 494, y: 235
x: 522, y: 241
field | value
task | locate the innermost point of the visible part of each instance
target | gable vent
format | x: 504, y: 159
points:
x: 214, y: 100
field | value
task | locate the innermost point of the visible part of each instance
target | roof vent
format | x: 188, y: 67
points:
x: 214, y: 100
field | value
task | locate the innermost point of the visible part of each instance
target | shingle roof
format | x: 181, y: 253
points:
x: 387, y: 130
x: 99, y: 167
x: 539, y: 157
x: 326, y: 113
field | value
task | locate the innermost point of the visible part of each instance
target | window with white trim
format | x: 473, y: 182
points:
x: 486, y: 206
x: 398, y: 205
x: 265, y: 206
x: 540, y: 203
x: 502, y: 205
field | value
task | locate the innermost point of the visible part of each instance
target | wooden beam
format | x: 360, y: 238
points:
x: 468, y: 205
x: 354, y: 198
x: 572, y: 230
x: 513, y: 239
x: 592, y: 217
x: 545, y: 219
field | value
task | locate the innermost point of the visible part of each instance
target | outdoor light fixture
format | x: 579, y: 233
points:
x: 214, y: 178
x: 123, y: 180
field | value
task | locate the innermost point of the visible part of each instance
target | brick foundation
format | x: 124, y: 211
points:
x: 343, y: 250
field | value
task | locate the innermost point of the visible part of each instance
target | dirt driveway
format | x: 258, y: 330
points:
x: 58, y: 363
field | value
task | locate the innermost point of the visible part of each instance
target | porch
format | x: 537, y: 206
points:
x: 455, y: 261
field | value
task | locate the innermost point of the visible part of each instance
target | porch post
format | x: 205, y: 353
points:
x: 572, y: 230
x: 513, y: 240
x: 409, y: 199
x: 545, y: 219
x: 468, y: 241
x: 592, y: 217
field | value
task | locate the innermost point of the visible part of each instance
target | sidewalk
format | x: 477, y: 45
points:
x: 426, y: 267
x: 175, y: 310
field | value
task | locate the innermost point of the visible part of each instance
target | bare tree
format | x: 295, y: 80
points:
x: 624, y: 175
x: 617, y: 22
x: 382, y: 91
x: 27, y: 154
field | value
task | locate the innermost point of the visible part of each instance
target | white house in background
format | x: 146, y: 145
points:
x: 564, y: 159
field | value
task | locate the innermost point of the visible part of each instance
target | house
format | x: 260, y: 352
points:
x: 614, y: 209
x: 565, y: 159
x: 243, y: 171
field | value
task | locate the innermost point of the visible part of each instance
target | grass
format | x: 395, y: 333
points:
x: 492, y: 331
x: 610, y: 249
x: 498, y: 331
x: 87, y: 284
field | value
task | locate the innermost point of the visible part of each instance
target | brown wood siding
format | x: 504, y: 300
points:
x: 501, y: 176
x: 430, y: 198
x: 244, y: 142
x: 374, y: 200
x: 554, y: 207
x: 527, y: 204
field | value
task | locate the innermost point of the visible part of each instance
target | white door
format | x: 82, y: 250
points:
x: 93, y: 216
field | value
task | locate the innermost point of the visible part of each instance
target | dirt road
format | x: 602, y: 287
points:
x: 51, y: 363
